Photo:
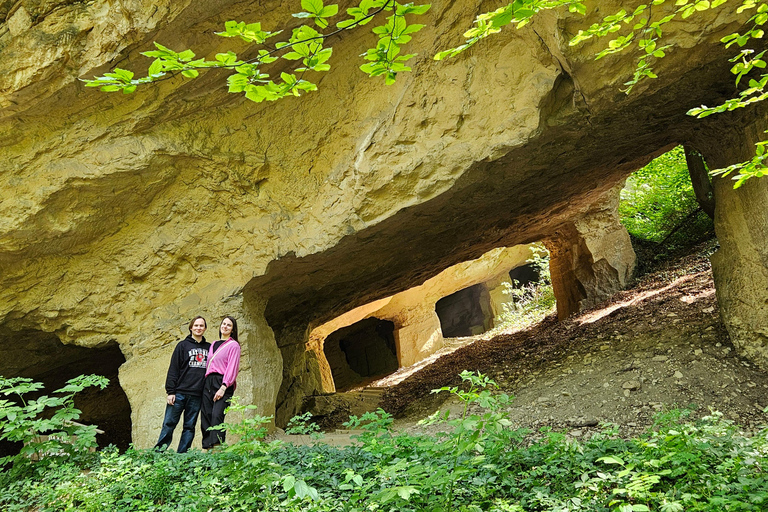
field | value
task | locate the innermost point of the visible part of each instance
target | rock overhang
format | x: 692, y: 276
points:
x: 520, y: 118
x: 129, y: 214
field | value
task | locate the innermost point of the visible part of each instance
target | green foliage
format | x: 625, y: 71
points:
x: 46, y: 425
x: 478, y: 462
x: 305, y: 51
x: 659, y: 198
x: 753, y: 168
x: 302, y: 425
x: 251, y: 429
x: 529, y: 304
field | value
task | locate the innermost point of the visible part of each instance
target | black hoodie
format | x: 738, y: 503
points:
x: 187, y: 370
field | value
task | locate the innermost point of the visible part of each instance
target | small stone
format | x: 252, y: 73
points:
x: 698, y: 352
x: 566, y: 393
x: 575, y: 433
x: 626, y: 392
x: 583, y: 422
x: 660, y: 359
x: 631, y: 385
x: 606, y: 385
x: 708, y: 310
x: 605, y: 347
x: 671, y: 314
x: 678, y: 375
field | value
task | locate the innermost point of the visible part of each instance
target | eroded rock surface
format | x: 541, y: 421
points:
x: 591, y: 256
x: 124, y: 216
x: 740, y: 265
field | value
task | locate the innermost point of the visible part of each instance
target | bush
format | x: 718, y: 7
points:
x: 480, y: 463
x: 528, y: 304
x: 658, y: 204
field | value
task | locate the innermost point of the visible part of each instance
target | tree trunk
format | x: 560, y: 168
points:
x: 702, y: 187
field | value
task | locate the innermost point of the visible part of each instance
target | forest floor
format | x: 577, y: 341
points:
x: 657, y: 346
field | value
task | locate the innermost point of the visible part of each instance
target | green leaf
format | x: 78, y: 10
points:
x: 328, y: 11
x: 156, y: 68
x: 611, y: 460
x: 186, y: 55
x: 289, y: 481
x: 313, y: 6
x: 301, y: 488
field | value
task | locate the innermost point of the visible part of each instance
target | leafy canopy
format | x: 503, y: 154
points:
x: 305, y: 52
x: 658, y: 201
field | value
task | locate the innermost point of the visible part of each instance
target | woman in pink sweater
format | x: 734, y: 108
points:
x: 220, y: 377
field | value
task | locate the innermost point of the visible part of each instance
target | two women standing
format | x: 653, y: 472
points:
x: 201, y: 379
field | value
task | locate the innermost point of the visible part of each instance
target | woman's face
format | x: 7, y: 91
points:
x: 226, y: 328
x: 198, y: 328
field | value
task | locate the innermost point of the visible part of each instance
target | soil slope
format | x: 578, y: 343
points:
x: 658, y: 346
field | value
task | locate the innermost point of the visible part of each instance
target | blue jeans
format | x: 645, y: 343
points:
x: 190, y: 406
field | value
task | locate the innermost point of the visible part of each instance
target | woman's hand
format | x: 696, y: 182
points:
x: 220, y: 393
x: 170, y: 399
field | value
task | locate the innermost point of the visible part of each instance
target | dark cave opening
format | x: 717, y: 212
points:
x: 466, y: 312
x: 43, y: 358
x: 361, y: 352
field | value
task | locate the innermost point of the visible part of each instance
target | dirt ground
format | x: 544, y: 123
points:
x: 657, y: 346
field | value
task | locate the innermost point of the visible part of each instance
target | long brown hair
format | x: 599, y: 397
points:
x: 233, y: 334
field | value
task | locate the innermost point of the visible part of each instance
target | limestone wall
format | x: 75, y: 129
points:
x: 124, y: 216
x: 740, y: 265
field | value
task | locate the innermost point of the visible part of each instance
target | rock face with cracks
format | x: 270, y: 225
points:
x: 124, y: 216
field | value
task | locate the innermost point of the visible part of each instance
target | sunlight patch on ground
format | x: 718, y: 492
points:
x: 690, y: 299
x: 595, y: 315
x: 451, y: 345
x: 403, y: 373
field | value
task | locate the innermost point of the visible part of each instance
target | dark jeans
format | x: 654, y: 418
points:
x: 213, y: 412
x: 190, y: 406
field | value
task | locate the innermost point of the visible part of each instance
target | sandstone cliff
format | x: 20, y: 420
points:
x: 123, y: 216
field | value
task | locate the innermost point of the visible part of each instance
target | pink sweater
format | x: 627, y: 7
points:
x: 226, y: 361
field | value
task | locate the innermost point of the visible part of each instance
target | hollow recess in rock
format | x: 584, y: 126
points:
x: 525, y: 275
x: 42, y: 357
x: 466, y: 312
x: 361, y: 352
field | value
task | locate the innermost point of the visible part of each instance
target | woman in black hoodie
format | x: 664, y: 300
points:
x: 184, y: 385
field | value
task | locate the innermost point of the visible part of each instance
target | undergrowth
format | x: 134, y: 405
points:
x: 528, y: 304
x: 658, y: 204
x: 482, y: 463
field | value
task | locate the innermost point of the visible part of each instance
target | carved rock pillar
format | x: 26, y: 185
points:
x: 591, y: 257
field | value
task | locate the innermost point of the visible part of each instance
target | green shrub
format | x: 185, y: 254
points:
x: 529, y: 304
x: 46, y: 425
x: 478, y: 462
x: 658, y: 201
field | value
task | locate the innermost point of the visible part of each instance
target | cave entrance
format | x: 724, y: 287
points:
x: 466, y: 312
x: 361, y: 352
x: 42, y: 357
x: 525, y: 275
